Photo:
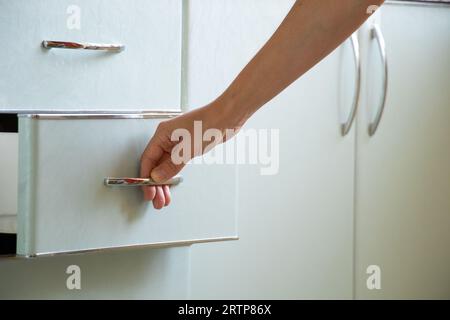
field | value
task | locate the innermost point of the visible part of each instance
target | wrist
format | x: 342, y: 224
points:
x: 227, y: 114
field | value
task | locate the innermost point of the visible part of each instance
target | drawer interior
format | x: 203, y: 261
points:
x: 8, y: 188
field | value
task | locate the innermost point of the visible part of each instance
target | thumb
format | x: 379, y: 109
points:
x: 165, y: 170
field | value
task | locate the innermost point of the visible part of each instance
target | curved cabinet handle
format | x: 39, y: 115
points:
x: 49, y: 44
x: 378, y: 35
x: 137, y: 182
x: 347, y: 125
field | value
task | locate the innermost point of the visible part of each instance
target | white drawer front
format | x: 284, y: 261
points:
x: 64, y: 205
x: 146, y: 74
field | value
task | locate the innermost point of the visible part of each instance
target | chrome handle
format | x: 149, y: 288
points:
x: 49, y: 44
x: 137, y: 182
x: 378, y: 35
x: 346, y: 126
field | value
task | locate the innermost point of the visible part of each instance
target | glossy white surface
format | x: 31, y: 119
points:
x: 403, y: 171
x: 146, y: 74
x: 64, y: 205
x: 296, y: 227
x: 8, y: 177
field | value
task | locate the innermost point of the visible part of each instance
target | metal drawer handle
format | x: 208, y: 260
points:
x: 49, y: 44
x: 137, y: 182
x: 346, y: 126
x: 376, y: 33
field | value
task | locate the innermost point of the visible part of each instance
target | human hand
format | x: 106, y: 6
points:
x: 157, y: 161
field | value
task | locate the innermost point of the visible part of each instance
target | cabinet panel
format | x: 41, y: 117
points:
x: 403, y: 171
x: 145, y: 75
x: 134, y: 274
x: 296, y: 226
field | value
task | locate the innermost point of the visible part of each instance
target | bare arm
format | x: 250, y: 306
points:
x: 311, y: 30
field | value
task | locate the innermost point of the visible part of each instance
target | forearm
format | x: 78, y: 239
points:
x: 310, y: 31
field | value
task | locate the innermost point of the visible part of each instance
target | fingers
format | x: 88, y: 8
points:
x: 159, y: 200
x: 149, y: 159
x: 162, y: 197
x: 156, y: 163
x: 165, y: 170
x: 149, y: 193
x: 167, y: 196
x: 146, y: 167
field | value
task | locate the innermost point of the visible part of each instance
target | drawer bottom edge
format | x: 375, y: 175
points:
x: 165, y: 244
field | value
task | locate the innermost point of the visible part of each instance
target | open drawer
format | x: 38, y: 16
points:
x: 64, y: 205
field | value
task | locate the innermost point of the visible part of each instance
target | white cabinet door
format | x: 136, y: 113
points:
x: 403, y: 170
x: 65, y: 206
x: 145, y: 75
x: 295, y: 227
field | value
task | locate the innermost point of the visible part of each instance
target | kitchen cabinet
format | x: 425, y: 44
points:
x: 144, y: 75
x: 340, y: 206
x: 402, y: 191
x: 68, y: 143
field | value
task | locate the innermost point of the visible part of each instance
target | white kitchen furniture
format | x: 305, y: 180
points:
x: 351, y: 194
x: 379, y: 196
x: 90, y: 81
x: 402, y: 186
x: 144, y: 76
